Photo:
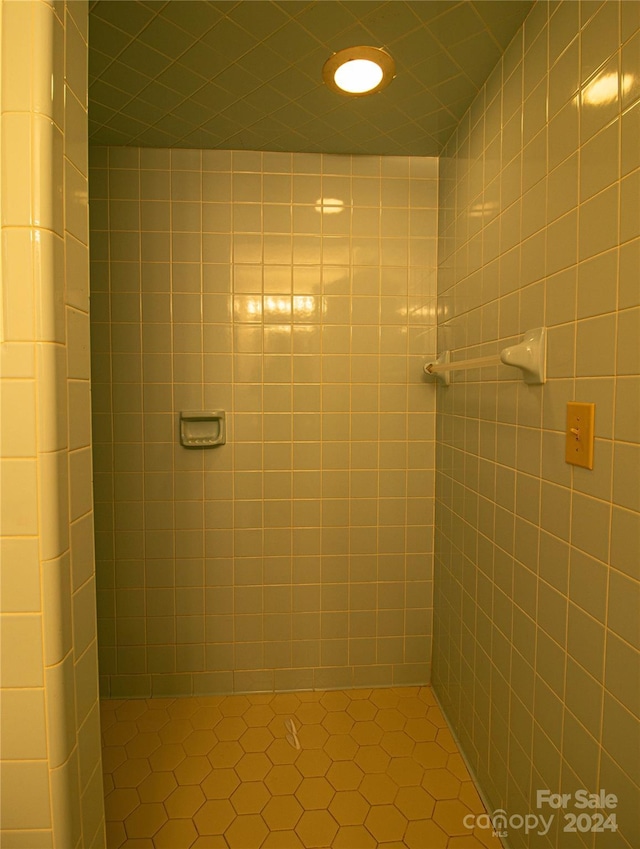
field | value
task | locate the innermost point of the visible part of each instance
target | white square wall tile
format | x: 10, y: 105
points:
x: 22, y: 724
x: 53, y: 494
x: 52, y: 397
x: 17, y: 80
x: 75, y: 207
x: 18, y: 419
x: 18, y: 497
x: 25, y: 795
x: 47, y: 63
x: 17, y: 285
x: 57, y: 609
x: 20, y: 575
x: 61, y: 710
x: 21, y: 651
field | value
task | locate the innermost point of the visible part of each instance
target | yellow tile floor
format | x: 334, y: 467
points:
x: 374, y: 768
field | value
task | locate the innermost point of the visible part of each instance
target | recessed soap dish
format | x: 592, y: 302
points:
x: 202, y: 428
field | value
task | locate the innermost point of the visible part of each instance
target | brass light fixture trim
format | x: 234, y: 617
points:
x: 359, y: 59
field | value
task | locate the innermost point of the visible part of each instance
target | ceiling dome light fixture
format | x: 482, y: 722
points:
x: 357, y: 71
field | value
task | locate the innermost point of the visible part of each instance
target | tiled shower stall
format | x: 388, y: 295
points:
x: 297, y: 293
x: 361, y: 524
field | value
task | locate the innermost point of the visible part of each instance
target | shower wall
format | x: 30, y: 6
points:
x: 537, y: 561
x: 50, y: 770
x: 297, y: 293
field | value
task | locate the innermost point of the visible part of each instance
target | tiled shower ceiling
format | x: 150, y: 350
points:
x: 247, y: 75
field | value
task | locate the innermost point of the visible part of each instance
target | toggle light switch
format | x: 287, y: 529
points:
x: 580, y: 434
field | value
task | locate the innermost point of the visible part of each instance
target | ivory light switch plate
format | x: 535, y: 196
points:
x: 580, y: 434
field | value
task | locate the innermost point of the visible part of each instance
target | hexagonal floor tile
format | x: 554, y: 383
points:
x: 348, y: 807
x: 120, y: 803
x: 282, y: 840
x: 314, y: 793
x: 312, y: 763
x: 246, y: 832
x: 334, y: 700
x: 120, y: 733
x: 434, y: 715
x: 167, y: 757
x: 345, y: 775
x: 176, y: 832
x: 362, y: 710
x: 397, y: 744
x: 175, y: 731
x: 415, y: 803
x: 200, y: 742
x: 182, y: 708
x: 312, y: 736
x: 426, y: 694
x: 250, y: 797
x: 385, y: 698
x: 390, y: 719
x: 353, y: 837
x: 210, y: 841
x: 234, y: 705
x: 258, y: 716
x: 253, y: 766
x: 130, y: 709
x: 469, y: 796
x: 230, y: 728
x: 338, y: 722
x: 378, y: 789
x: 225, y: 754
x: 283, y: 780
x: 465, y: 842
x: 316, y: 828
x: 282, y: 752
x: 386, y: 823
x: 284, y: 703
x: 457, y: 766
x: 143, y: 744
x: 256, y: 739
x: 131, y: 773
x: 206, y: 718
x: 441, y: 784
x: 412, y: 707
x: 310, y: 713
x: 214, y: 817
x: 157, y: 787
x: 445, y: 739
x: 220, y: 784
x: 422, y: 833
x: 282, y: 813
x: 430, y: 755
x: 184, y: 802
x: 420, y: 729
x: 192, y: 770
x: 116, y: 835
x: 449, y: 815
x: 372, y: 759
x: 341, y: 747
x: 405, y: 772
x: 375, y: 767
x: 146, y: 820
x: 113, y: 757
x: 153, y: 720
x: 485, y: 837
x: 367, y: 733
